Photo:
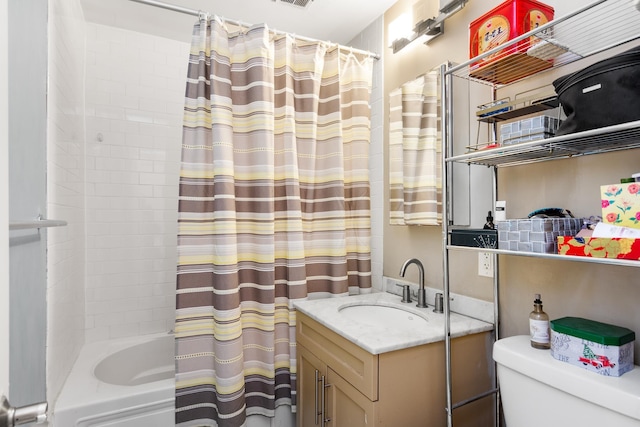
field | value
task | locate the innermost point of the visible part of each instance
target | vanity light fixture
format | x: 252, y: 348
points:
x: 427, y: 30
x: 452, y: 6
x: 424, y: 32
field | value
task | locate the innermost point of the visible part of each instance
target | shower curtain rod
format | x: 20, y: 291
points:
x: 195, y: 12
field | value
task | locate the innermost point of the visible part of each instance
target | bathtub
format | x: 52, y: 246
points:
x: 120, y: 383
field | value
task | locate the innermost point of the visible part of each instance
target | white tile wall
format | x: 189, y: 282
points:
x: 372, y: 39
x: 135, y: 91
x: 65, y: 191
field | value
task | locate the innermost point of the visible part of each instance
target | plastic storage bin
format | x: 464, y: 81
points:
x: 529, y: 129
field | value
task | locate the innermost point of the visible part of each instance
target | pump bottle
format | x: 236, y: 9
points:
x: 489, y: 225
x: 539, y: 326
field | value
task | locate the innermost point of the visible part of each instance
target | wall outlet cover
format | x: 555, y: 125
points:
x: 485, y: 264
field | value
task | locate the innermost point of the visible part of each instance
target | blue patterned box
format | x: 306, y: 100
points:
x: 537, y: 235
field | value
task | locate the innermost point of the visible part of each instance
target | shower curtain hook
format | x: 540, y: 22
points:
x: 203, y: 16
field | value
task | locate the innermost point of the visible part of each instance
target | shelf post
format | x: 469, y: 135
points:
x: 447, y: 142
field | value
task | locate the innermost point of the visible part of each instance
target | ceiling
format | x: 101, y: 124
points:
x: 332, y: 20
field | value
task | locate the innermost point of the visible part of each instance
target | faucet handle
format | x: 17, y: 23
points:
x: 406, y: 292
x: 439, y: 300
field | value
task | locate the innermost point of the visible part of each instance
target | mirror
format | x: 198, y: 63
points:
x: 415, y: 152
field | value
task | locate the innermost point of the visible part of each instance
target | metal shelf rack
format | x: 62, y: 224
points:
x: 624, y: 136
x: 562, y: 41
x: 559, y: 42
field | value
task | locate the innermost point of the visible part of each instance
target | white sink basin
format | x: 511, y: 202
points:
x: 378, y: 322
x: 382, y: 316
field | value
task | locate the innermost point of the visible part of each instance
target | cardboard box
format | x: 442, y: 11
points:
x: 599, y: 247
x: 505, y: 22
x: 597, y: 347
x: 621, y: 204
x: 536, y: 234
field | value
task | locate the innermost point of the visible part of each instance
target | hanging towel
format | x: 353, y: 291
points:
x: 415, y: 162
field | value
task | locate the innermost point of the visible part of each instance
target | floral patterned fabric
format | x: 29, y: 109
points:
x: 599, y: 247
x: 621, y: 204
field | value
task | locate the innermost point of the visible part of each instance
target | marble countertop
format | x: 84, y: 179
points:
x: 381, y: 339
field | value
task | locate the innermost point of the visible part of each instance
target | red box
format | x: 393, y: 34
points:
x: 505, y: 22
x: 598, y: 247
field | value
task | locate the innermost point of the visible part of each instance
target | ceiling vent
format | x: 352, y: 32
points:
x: 299, y: 3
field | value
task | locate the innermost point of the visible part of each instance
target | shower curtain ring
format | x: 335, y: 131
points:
x: 203, y: 16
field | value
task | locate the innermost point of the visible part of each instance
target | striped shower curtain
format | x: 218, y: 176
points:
x: 274, y: 207
x: 415, y: 152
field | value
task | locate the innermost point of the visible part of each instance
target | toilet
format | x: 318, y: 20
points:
x: 538, y: 390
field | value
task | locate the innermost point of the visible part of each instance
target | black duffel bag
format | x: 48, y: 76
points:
x: 603, y: 94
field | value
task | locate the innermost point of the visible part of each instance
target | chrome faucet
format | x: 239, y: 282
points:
x: 422, y: 294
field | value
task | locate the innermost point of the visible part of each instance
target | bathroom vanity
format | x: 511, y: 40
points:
x: 370, y: 360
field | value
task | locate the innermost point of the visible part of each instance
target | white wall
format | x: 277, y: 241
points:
x: 111, y: 271
x: 27, y: 199
x: 65, y: 191
x: 4, y: 198
x: 372, y: 39
x: 135, y: 96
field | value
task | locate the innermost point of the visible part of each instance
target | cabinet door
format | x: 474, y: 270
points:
x: 345, y: 405
x: 351, y: 362
x: 310, y: 370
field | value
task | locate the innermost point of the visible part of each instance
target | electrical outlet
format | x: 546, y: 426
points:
x: 485, y: 264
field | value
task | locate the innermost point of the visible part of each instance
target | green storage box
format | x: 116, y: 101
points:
x: 598, y: 347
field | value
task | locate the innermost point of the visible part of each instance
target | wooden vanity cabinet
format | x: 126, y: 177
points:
x: 343, y: 404
x: 353, y: 388
x: 310, y: 370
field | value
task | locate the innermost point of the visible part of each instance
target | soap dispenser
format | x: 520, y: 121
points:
x: 539, y: 326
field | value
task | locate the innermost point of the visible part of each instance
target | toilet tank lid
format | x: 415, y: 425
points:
x: 620, y: 394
